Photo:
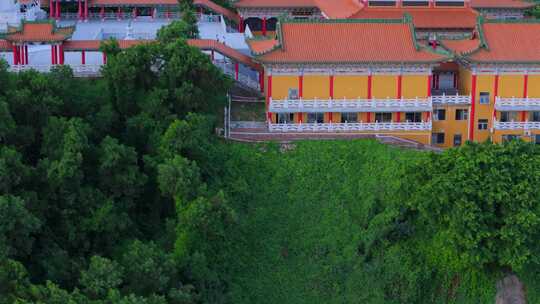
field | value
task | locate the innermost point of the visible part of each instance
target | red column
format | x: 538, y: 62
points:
x: 236, y: 70
x: 525, y: 95
x: 455, y: 80
x: 399, y: 95
x: 14, y: 55
x: 495, y: 95
x: 58, y: 9
x: 79, y: 10
x: 429, y: 82
x: 269, y: 97
x: 473, y: 108
x: 61, y: 53
x: 26, y: 54
x: 135, y: 13
x: 83, y: 57
x: 331, y: 115
x: 241, y: 25
x: 167, y: 13
x: 369, y: 93
x: 264, y: 26
x: 51, y: 9
x: 119, y: 13
x: 102, y: 13
x: 301, y: 95
x: 85, y: 9
x: 104, y: 58
x: 52, y: 54
x: 21, y: 54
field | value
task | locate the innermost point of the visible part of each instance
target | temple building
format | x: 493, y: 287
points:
x: 321, y: 78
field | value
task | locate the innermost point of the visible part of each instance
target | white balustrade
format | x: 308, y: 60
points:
x: 517, y: 104
x: 350, y: 105
x: 350, y: 127
x: 79, y: 70
x: 451, y: 99
x: 517, y: 125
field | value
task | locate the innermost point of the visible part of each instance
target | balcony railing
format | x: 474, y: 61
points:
x: 79, y: 70
x: 517, y: 125
x: 451, y: 99
x: 517, y: 104
x: 350, y: 105
x: 350, y: 127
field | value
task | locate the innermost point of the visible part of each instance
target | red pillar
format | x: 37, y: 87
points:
x: 525, y: 95
x: 79, y: 10
x: 26, y: 54
x: 399, y: 95
x: 102, y: 13
x: 83, y: 57
x: 119, y: 13
x: 269, y: 97
x: 52, y: 54
x: 331, y: 79
x: 14, y: 55
x: 264, y: 26
x: 473, y: 108
x: 429, y: 82
x: 369, y: 94
x: 104, y: 58
x: 58, y: 10
x: 135, y: 13
x: 495, y: 95
x: 241, y: 25
x: 61, y: 55
x: 301, y: 95
x: 51, y: 9
x: 236, y: 70
x: 21, y: 54
x: 85, y: 9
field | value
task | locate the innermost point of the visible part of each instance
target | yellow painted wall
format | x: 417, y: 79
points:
x: 533, y: 86
x: 413, y: 86
x: 484, y: 83
x: 316, y: 86
x: 511, y: 85
x: 384, y: 86
x: 282, y: 84
x: 450, y: 126
x: 350, y: 87
x: 465, y: 80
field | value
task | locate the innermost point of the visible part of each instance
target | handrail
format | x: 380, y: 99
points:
x: 350, y: 127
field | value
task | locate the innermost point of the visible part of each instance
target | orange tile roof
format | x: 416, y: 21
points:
x: 509, y: 42
x: 39, y: 32
x: 461, y: 46
x: 501, y: 4
x: 347, y: 41
x: 338, y: 9
x: 275, y: 3
x: 262, y: 46
x: 432, y: 18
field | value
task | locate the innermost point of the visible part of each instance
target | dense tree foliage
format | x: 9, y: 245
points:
x: 115, y: 190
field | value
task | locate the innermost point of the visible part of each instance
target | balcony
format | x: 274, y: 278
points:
x: 350, y: 105
x: 451, y: 99
x: 350, y: 127
x: 517, y: 104
x: 517, y: 125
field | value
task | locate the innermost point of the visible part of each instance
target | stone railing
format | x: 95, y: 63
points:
x: 451, y: 99
x: 517, y: 104
x: 350, y: 105
x: 350, y: 127
x: 79, y: 70
x: 516, y: 125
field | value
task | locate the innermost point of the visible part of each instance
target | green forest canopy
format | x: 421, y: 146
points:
x: 115, y: 190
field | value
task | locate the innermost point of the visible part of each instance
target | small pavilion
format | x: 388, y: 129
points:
x: 37, y: 33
